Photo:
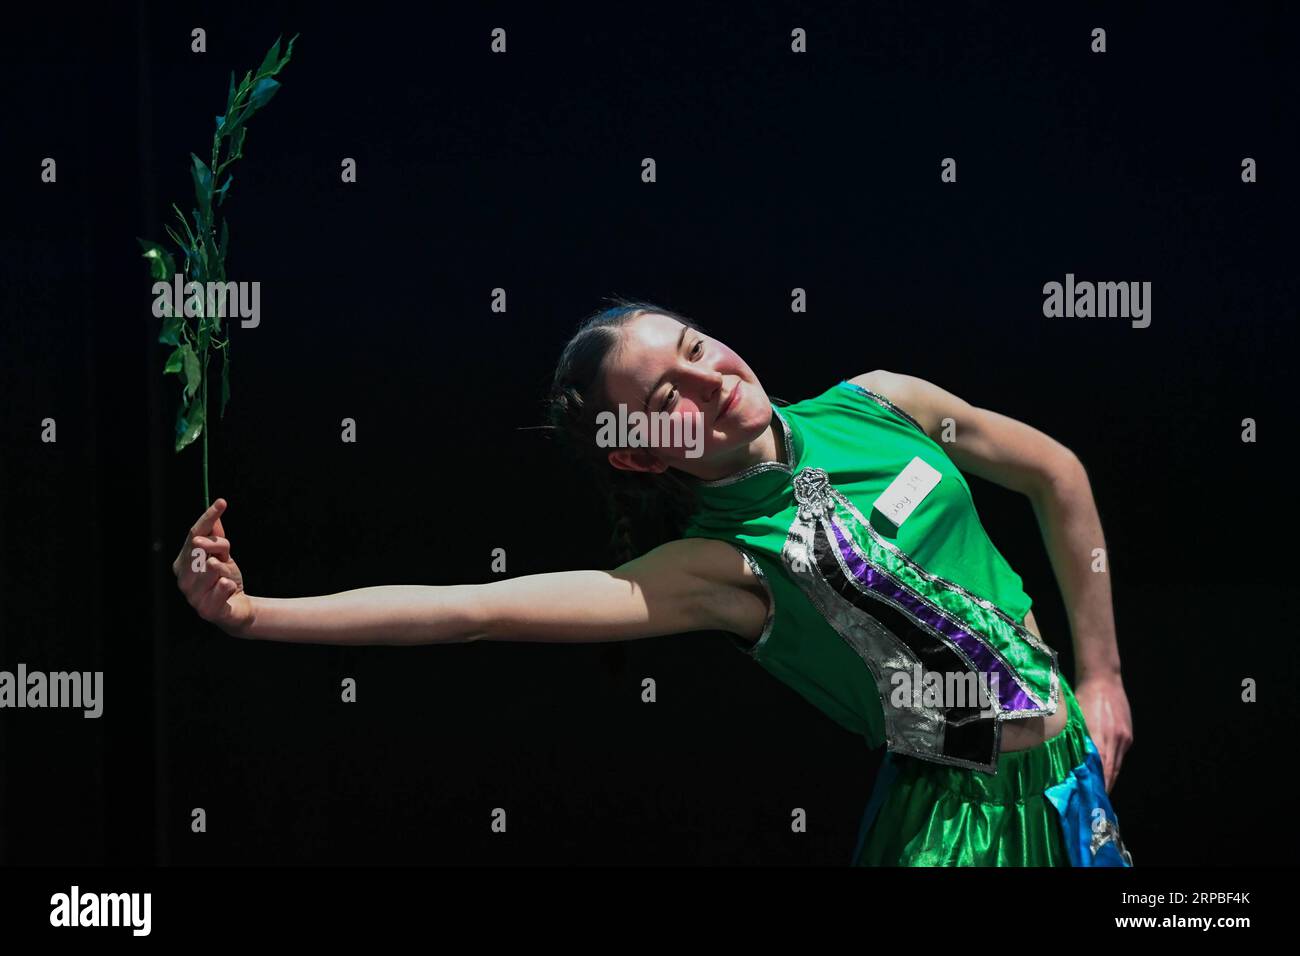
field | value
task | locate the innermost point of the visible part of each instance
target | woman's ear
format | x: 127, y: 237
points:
x: 637, y: 459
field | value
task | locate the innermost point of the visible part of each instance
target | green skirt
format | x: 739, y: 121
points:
x: 1045, y: 806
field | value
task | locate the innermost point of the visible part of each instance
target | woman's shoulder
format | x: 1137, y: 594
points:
x: 891, y: 386
x: 878, y: 380
x: 880, y: 383
x: 878, y: 391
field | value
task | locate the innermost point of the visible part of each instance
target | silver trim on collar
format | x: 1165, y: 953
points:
x: 761, y: 466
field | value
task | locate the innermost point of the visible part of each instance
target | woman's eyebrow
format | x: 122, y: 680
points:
x: 649, y: 395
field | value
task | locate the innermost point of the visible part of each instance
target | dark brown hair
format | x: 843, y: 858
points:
x: 645, y: 509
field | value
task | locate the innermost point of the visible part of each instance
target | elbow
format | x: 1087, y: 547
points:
x: 474, y: 622
x: 442, y: 614
x: 1064, y: 474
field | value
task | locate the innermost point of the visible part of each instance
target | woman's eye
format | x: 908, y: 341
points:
x: 699, y: 347
x: 668, y: 402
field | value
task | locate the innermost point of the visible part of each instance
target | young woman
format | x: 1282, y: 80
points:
x: 906, y: 626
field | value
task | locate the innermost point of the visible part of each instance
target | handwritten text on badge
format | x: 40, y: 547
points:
x: 907, y: 490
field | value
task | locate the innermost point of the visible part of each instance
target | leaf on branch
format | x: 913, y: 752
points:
x: 202, y: 189
x: 185, y: 222
x: 190, y: 371
x: 203, y: 270
x: 269, y: 62
x: 175, y: 361
x: 171, y: 330
x: 262, y: 93
x: 234, y: 124
x: 180, y: 244
x: 211, y: 260
x: 271, y: 65
x: 287, y: 54
x: 161, y: 265
x: 221, y: 193
x: 189, y: 422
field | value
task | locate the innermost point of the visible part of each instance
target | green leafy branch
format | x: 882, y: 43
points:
x: 193, y: 334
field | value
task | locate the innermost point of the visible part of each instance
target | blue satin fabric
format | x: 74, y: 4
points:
x: 1088, y: 821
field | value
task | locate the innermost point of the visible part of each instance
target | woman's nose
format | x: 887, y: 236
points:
x: 705, y: 382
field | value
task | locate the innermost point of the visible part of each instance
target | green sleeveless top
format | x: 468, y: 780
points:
x: 865, y: 615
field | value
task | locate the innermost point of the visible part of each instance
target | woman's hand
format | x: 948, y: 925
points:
x: 209, y: 577
x: 1110, y: 725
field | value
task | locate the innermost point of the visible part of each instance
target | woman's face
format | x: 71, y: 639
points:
x: 664, y: 366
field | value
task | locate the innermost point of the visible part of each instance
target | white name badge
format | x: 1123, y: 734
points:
x: 907, y: 490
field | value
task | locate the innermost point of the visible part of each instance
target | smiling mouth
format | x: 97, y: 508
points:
x: 730, y: 403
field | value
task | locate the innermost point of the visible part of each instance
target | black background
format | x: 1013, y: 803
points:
x: 522, y: 171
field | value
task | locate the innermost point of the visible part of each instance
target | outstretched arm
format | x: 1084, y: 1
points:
x: 682, y: 586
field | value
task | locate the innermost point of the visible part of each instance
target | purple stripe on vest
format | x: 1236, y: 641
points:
x: 1010, y: 694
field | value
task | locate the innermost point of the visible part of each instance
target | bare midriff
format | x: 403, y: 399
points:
x: 1030, y: 732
